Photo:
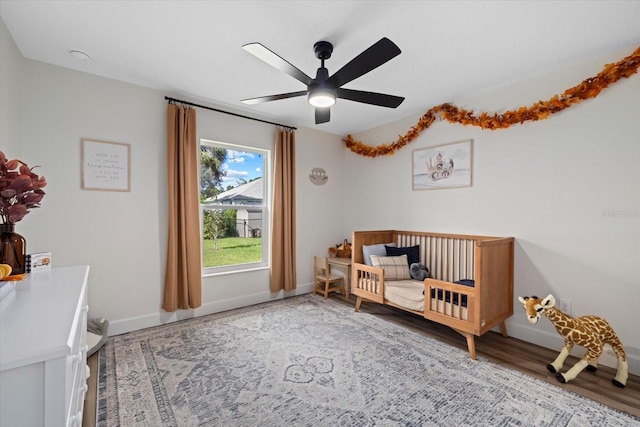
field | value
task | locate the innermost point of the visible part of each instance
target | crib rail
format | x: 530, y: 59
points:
x: 450, y: 304
x: 367, y: 282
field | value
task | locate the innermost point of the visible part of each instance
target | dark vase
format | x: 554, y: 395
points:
x: 13, y: 249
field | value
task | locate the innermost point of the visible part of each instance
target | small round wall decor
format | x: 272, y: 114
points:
x: 318, y: 176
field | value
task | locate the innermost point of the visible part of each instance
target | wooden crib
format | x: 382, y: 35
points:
x: 469, y: 310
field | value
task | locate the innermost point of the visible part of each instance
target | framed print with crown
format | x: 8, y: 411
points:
x: 443, y: 166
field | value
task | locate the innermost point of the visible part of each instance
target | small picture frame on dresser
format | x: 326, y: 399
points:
x: 38, y: 262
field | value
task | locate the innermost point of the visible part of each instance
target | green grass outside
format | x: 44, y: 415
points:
x: 231, y: 251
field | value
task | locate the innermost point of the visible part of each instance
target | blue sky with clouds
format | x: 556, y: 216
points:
x: 241, y: 165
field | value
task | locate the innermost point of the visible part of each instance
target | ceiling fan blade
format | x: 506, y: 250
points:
x: 261, y: 99
x: 277, y: 62
x: 323, y: 115
x: 379, y: 53
x: 381, y: 99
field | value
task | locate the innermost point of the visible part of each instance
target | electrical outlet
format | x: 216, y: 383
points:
x: 565, y: 305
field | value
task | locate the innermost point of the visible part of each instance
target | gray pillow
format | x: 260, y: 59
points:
x: 418, y: 271
x: 380, y: 250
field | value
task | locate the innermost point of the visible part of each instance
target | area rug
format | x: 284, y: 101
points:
x: 310, y: 361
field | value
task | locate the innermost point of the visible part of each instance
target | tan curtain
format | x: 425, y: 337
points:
x: 183, y: 278
x: 283, y: 235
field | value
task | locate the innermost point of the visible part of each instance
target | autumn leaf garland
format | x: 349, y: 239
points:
x: 589, y: 88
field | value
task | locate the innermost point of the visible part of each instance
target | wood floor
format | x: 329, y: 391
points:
x: 511, y: 352
x: 89, y: 416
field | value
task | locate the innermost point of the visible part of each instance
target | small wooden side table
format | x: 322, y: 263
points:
x: 344, y: 263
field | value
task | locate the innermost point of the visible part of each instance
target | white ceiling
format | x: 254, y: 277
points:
x: 192, y: 50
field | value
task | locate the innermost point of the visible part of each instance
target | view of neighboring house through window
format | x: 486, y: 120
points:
x: 233, y: 201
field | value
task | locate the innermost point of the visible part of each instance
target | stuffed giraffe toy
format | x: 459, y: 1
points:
x: 591, y: 332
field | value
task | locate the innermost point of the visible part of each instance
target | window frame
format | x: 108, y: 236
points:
x: 264, y: 207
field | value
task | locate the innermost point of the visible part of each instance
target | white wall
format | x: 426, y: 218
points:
x: 122, y: 235
x: 550, y: 184
x: 11, y: 99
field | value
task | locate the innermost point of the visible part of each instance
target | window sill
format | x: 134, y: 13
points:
x: 235, y: 271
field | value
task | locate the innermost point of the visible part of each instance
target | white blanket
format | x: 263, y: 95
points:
x: 405, y: 293
x: 410, y: 294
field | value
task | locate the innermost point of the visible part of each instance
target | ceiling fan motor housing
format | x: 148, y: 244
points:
x: 320, y: 93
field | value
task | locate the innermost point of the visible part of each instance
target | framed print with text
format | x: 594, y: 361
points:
x: 105, y: 165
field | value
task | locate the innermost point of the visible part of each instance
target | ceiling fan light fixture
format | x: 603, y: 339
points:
x: 322, y: 97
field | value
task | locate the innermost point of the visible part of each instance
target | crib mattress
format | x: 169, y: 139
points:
x: 410, y: 294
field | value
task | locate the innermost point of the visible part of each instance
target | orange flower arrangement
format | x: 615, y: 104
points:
x: 589, y: 88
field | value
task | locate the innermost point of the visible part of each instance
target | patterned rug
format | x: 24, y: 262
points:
x: 307, y: 361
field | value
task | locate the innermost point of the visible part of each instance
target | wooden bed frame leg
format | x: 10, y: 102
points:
x: 503, y: 328
x: 471, y: 345
x: 471, y: 342
x: 358, y: 302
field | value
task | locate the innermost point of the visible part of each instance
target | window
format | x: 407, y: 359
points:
x: 233, y: 201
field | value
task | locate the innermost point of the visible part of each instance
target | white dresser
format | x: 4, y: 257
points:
x: 43, y: 350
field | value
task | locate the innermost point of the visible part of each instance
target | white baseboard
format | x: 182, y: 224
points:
x: 123, y: 326
x: 555, y: 342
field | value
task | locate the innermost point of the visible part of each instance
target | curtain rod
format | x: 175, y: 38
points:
x: 168, y: 98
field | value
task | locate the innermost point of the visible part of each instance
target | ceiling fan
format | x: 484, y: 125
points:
x: 323, y: 90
